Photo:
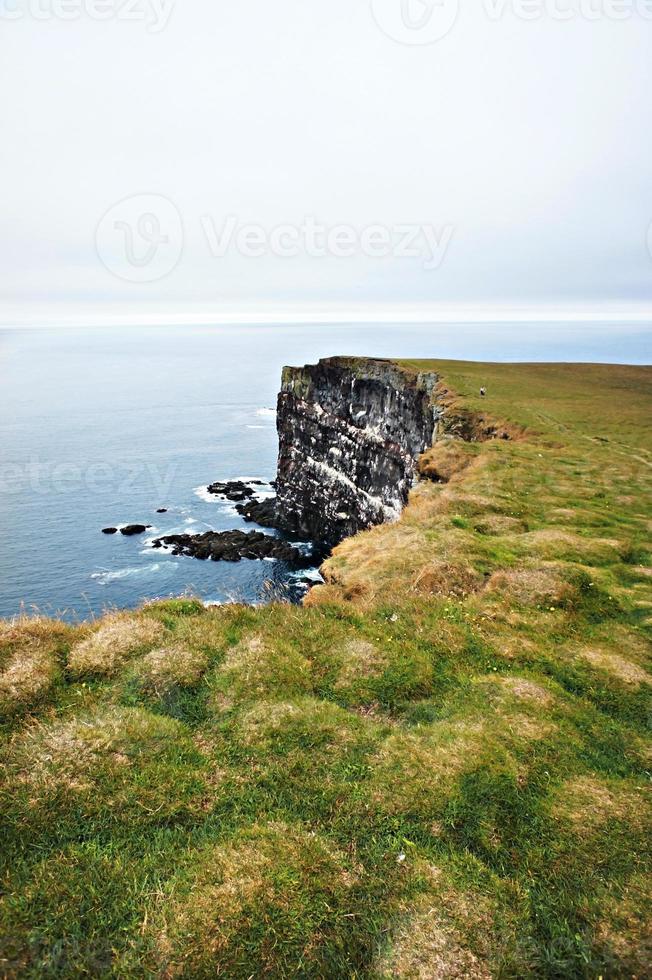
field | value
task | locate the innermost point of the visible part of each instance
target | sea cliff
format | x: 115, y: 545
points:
x: 350, y: 431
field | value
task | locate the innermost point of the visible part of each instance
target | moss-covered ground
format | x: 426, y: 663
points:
x: 436, y: 768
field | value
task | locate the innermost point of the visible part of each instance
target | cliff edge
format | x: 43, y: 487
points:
x: 350, y: 430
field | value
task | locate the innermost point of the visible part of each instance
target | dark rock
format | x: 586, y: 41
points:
x: 231, y: 490
x: 261, y: 512
x: 350, y: 430
x: 162, y: 510
x: 132, y: 529
x: 109, y: 530
x: 233, y: 546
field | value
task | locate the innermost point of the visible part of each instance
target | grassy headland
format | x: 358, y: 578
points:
x: 436, y: 768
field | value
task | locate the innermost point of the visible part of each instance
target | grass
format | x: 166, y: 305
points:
x: 436, y: 768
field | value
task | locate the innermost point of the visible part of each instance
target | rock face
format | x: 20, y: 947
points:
x: 350, y: 430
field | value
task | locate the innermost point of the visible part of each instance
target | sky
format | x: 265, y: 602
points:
x: 205, y: 160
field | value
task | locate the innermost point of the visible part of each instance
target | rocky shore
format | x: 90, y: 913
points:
x: 233, y: 546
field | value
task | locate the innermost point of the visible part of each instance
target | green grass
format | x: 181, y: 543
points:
x: 435, y: 768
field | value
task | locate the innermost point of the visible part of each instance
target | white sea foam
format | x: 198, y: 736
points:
x: 304, y: 547
x: 105, y: 577
x: 203, y: 494
x: 310, y: 573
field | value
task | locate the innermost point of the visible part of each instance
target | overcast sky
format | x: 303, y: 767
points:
x: 334, y: 158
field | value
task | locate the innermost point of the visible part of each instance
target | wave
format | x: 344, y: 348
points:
x: 211, y: 498
x: 105, y: 577
x: 310, y: 573
x: 203, y: 494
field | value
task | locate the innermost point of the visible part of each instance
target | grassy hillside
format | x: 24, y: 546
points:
x: 437, y: 768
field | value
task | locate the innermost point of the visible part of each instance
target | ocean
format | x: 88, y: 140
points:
x: 102, y: 426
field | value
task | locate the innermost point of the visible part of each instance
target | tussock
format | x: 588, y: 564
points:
x: 26, y: 679
x: 550, y: 543
x: 70, y: 756
x: 414, y: 773
x: 360, y: 661
x: 169, y: 667
x: 306, y: 723
x: 539, y: 584
x: 34, y: 632
x: 499, y: 524
x: 426, y: 947
x: 277, y: 873
x: 526, y: 690
x: 116, y: 639
x: 620, y: 668
x: 447, y: 578
x: 591, y: 803
x: 255, y: 668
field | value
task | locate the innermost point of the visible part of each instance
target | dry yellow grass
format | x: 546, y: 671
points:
x: 414, y: 772
x: 551, y: 543
x: 319, y: 723
x: 27, y: 677
x: 254, y: 669
x: 33, y: 631
x: 545, y: 583
x: 445, y: 460
x: 394, y: 558
x: 526, y: 690
x: 359, y: 660
x: 446, y: 578
x: 30, y: 653
x: 625, y: 926
x: 499, y: 524
x: 619, y: 667
x: 168, y: 667
x: 426, y: 947
x: 115, y: 639
x: 234, y: 883
x: 590, y: 804
x: 69, y: 756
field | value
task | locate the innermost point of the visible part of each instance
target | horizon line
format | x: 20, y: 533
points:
x: 320, y: 316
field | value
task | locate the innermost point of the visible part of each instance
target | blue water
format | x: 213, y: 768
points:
x: 102, y: 426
